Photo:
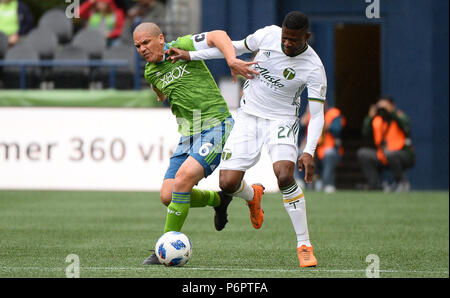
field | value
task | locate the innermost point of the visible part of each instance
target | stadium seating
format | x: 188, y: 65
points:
x: 55, y: 20
x: 125, y: 74
x: 52, y: 56
x: 55, y: 31
x: 3, y: 44
x: 12, y: 74
x: 93, y: 42
x: 65, y: 77
x: 90, y: 40
x: 43, y: 41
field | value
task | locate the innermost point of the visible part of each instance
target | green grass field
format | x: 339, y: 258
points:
x: 112, y: 231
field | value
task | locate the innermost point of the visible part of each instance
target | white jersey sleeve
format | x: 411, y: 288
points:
x: 317, y: 84
x: 254, y: 41
x: 247, y: 45
x: 200, y: 41
x: 315, y: 126
x: 215, y: 53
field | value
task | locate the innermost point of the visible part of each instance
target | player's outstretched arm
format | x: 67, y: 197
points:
x: 219, y: 39
x: 219, y: 48
x: 315, y: 126
x: 176, y: 54
x: 222, y: 41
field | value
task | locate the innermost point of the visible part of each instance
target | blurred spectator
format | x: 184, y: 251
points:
x: 16, y: 19
x: 143, y: 11
x: 124, y: 5
x: 388, y: 129
x: 329, y: 150
x: 105, y: 16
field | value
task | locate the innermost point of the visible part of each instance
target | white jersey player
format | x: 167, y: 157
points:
x: 269, y: 115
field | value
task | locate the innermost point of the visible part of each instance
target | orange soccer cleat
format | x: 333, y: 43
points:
x: 306, y: 256
x: 256, y: 212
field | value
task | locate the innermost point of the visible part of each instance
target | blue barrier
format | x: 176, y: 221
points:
x: 23, y: 64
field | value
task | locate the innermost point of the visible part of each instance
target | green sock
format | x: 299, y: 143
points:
x: 177, y: 211
x: 202, y: 198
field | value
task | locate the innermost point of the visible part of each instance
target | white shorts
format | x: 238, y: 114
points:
x: 243, y: 148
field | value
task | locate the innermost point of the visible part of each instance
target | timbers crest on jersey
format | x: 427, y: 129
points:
x: 226, y: 154
x: 289, y: 73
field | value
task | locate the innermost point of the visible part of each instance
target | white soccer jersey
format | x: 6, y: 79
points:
x: 275, y: 93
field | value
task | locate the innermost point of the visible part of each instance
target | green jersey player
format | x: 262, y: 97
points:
x: 204, y: 121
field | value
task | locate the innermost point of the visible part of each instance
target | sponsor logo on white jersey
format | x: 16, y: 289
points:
x: 265, y: 74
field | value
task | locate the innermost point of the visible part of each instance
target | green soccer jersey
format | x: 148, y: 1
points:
x: 193, y: 94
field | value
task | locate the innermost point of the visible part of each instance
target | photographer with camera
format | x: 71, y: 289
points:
x: 387, y: 129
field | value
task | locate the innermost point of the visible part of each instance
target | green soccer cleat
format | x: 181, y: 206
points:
x: 220, y: 217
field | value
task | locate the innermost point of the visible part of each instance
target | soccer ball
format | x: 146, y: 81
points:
x: 173, y: 249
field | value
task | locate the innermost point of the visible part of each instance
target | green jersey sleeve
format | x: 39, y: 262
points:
x: 183, y: 43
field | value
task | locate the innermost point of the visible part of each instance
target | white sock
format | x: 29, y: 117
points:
x: 294, y: 203
x: 244, y: 191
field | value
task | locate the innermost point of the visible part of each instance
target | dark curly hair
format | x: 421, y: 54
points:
x: 296, y: 20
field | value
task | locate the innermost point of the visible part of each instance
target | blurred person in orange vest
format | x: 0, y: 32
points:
x: 105, y: 16
x: 388, y: 129
x: 329, y: 149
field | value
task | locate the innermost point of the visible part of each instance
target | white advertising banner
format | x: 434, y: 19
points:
x: 96, y: 149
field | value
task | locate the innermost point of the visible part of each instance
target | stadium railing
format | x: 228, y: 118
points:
x: 24, y: 64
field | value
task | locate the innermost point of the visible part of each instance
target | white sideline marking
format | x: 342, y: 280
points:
x: 150, y: 268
